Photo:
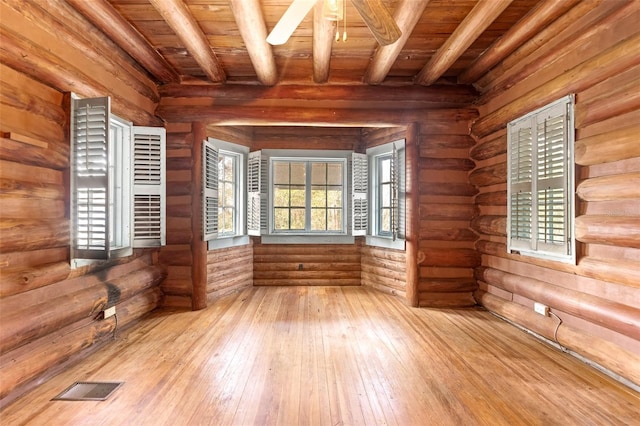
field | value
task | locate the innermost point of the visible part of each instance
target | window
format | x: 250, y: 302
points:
x: 299, y: 196
x: 541, y: 182
x: 386, y: 189
x: 223, y: 202
x: 117, y: 183
x: 308, y: 195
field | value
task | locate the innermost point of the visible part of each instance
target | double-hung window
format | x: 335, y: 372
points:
x: 541, y: 182
x: 299, y: 196
x: 224, y: 189
x: 117, y: 183
x: 386, y: 183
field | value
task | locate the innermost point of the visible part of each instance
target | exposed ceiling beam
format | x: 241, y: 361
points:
x: 250, y: 21
x: 108, y: 20
x: 538, y: 18
x: 323, y: 36
x: 480, y: 17
x: 185, y: 26
x: 445, y: 96
x: 323, y: 117
x: 406, y: 16
x: 378, y: 19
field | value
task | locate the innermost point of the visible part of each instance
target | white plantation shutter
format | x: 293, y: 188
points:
x: 400, y: 183
x: 256, y: 193
x: 540, y: 202
x: 359, y: 192
x: 149, y: 183
x: 209, y: 191
x: 90, y: 178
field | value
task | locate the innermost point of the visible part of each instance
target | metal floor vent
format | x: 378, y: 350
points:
x: 88, y: 391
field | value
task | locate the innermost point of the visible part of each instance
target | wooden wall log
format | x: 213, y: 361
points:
x: 33, y: 362
x: 490, y: 225
x: 448, y: 285
x: 627, y: 98
x: 489, y: 175
x: 616, y: 145
x: 443, y: 211
x: 562, y: 42
x: 442, y: 300
x: 612, y: 270
x: 41, y: 191
x: 603, y: 352
x: 47, y: 154
x: 493, y: 147
x: 616, y: 187
x: 613, y: 230
x: 52, y: 314
x: 461, y: 164
x: 32, y: 234
x: 612, y: 61
x: 497, y: 198
x: 615, y: 316
x: 452, y: 189
x: 447, y: 234
x: 450, y: 257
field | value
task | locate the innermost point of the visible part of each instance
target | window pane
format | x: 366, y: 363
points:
x: 318, y: 196
x: 297, y: 219
x: 298, y: 197
x: 298, y: 174
x: 318, y: 219
x: 281, y: 196
x: 281, y: 218
x: 318, y: 173
x: 385, y: 221
x: 385, y: 169
x: 385, y: 195
x: 228, y: 193
x: 334, y: 220
x: 280, y: 172
x: 334, y: 197
x: 334, y: 174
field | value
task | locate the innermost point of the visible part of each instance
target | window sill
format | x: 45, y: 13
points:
x: 385, y: 242
x: 308, y: 239
x: 227, y: 242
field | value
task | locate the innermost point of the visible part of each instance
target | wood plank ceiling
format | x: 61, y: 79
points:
x: 223, y: 41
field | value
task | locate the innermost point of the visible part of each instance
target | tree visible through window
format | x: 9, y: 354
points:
x: 227, y: 203
x: 308, y: 195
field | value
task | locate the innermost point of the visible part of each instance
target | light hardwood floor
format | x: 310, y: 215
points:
x: 330, y: 356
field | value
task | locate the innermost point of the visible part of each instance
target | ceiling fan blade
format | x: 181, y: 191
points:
x: 379, y: 20
x: 296, y: 12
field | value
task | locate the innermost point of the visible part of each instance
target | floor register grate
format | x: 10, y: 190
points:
x: 88, y: 391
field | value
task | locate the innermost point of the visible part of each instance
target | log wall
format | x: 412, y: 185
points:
x: 183, y: 204
x: 446, y: 211
x: 598, y: 299
x: 49, y: 312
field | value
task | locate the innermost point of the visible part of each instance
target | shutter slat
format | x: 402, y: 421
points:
x: 149, y: 186
x: 210, y: 191
x: 359, y: 192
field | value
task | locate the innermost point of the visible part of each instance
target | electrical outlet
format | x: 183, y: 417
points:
x: 540, y: 308
x: 109, y: 312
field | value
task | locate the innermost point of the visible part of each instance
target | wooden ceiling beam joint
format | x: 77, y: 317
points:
x: 184, y: 25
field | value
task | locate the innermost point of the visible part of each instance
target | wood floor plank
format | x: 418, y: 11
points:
x: 329, y: 356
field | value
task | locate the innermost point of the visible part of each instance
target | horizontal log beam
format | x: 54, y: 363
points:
x: 31, y: 234
x: 612, y: 61
x: 610, y: 230
x: 497, y: 198
x: 328, y: 117
x: 490, y: 148
x: 615, y: 316
x: 525, y: 29
x: 619, y: 271
x: 107, y: 19
x: 388, y: 96
x: 606, y: 188
x: 55, y: 157
x: 603, y: 352
x: 617, y: 102
x: 490, y: 225
x: 608, y: 147
x: 489, y: 175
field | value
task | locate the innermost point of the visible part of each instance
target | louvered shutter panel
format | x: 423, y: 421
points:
x: 521, y: 179
x: 359, y: 194
x: 149, y: 184
x: 551, y: 230
x: 209, y: 191
x: 90, y: 178
x: 256, y: 194
x: 400, y: 191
